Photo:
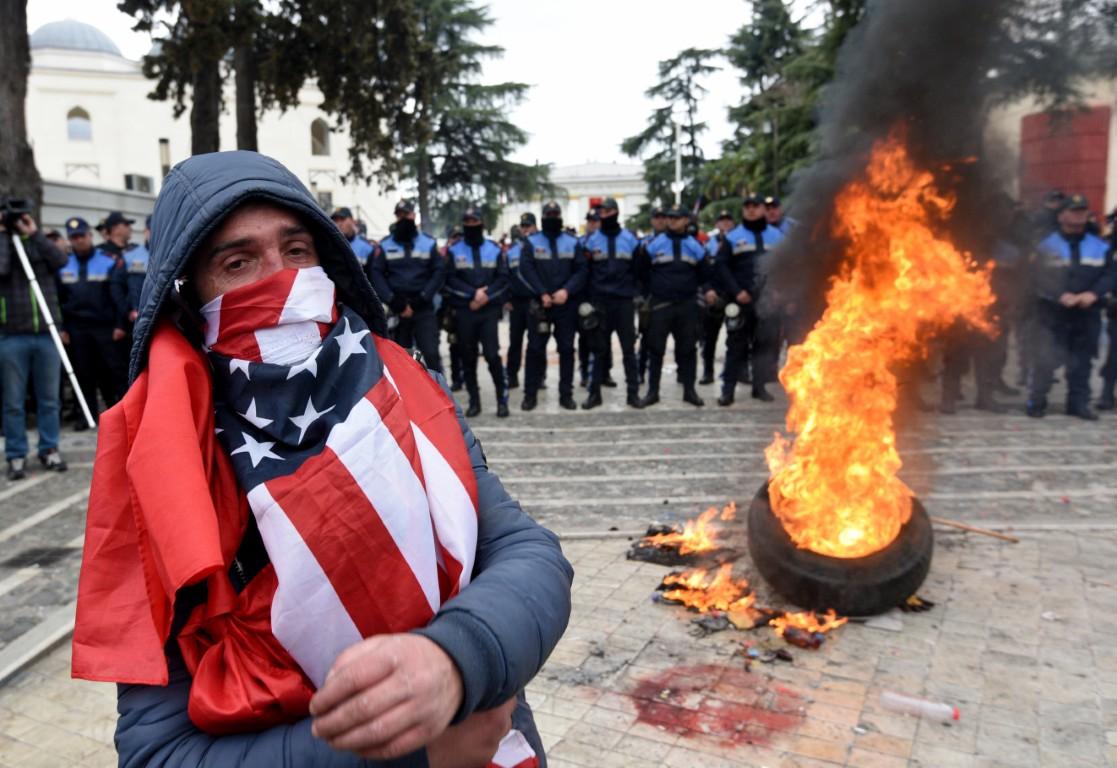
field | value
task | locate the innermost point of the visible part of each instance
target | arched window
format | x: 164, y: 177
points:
x: 319, y: 137
x: 78, y: 125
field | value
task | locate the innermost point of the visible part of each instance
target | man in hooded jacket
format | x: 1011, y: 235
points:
x: 170, y: 545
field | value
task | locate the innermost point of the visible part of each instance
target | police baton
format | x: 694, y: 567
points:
x: 27, y: 270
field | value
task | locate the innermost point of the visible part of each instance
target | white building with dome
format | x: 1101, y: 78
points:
x: 101, y: 144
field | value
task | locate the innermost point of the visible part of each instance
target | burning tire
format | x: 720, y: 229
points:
x: 859, y: 586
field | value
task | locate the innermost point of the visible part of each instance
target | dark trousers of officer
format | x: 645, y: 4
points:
x: 1109, y: 368
x: 480, y: 326
x: 988, y: 355
x: 680, y: 320
x: 1064, y: 337
x: 712, y: 319
x: 518, y: 320
x: 615, y: 316
x: 756, y: 341
x: 420, y: 331
x: 98, y: 364
x: 564, y: 321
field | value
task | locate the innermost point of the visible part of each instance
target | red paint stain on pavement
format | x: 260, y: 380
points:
x: 727, y: 704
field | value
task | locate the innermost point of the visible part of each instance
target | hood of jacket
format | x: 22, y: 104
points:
x: 197, y: 195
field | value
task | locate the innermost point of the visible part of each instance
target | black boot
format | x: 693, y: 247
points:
x: 567, y: 402
x: 592, y: 401
x: 650, y: 399
x: 502, y: 410
x: 474, y: 409
x: 760, y: 393
x: 1106, y: 401
x: 1081, y: 411
x: 528, y: 404
x: 707, y: 377
x: 634, y: 400
x: 726, y: 399
x: 690, y: 396
x: 1036, y: 407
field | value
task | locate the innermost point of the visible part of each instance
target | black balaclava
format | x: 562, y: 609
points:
x: 610, y: 225
x: 405, y: 229
x: 756, y: 225
x: 552, y: 226
x: 473, y: 234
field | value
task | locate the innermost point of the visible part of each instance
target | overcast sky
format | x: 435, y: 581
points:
x: 588, y: 62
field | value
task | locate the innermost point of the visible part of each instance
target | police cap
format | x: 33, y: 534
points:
x: 76, y: 225
x: 609, y: 202
x: 772, y: 201
x: 677, y: 212
x: 753, y: 200
x: 1055, y: 198
x: 551, y: 208
x: 405, y: 206
x: 116, y: 217
x: 472, y: 212
x: 341, y: 213
x: 527, y: 219
x: 1076, y: 203
x: 724, y: 214
x: 658, y: 212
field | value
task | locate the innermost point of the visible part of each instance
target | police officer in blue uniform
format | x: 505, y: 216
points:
x: 477, y: 286
x: 551, y: 263
x: 344, y: 221
x: 92, y: 292
x: 585, y: 346
x: 611, y: 252
x: 407, y: 270
x: 1075, y: 272
x: 135, y: 268
x: 519, y: 313
x: 740, y: 276
x: 673, y: 265
x: 1108, y: 399
x: 713, y: 303
x: 643, y: 311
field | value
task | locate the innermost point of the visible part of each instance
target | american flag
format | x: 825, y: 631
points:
x: 357, y: 474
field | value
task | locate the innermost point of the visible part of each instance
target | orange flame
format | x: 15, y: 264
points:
x: 808, y: 621
x: 697, y: 535
x: 835, y: 488
x: 721, y: 593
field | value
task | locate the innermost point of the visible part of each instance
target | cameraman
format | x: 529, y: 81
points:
x: 26, y: 348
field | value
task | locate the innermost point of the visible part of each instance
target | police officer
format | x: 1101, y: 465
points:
x: 135, y: 269
x: 674, y: 265
x: 713, y: 302
x: 611, y: 252
x: 93, y: 292
x: 773, y: 212
x: 407, y: 271
x: 739, y: 270
x: 659, y: 226
x: 344, y: 221
x: 551, y: 263
x: 1108, y: 400
x: 117, y: 229
x: 519, y: 312
x: 477, y: 286
x: 1076, y: 271
x: 585, y: 346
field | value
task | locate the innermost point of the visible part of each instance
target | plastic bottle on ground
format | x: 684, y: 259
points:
x: 932, y: 710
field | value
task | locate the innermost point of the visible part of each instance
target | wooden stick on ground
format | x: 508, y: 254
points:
x: 974, y: 529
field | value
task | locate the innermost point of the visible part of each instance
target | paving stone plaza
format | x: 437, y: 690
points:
x: 1021, y: 638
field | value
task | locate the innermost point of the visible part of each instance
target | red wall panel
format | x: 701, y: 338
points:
x: 1067, y: 152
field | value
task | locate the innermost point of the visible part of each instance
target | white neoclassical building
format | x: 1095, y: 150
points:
x: 101, y: 143
x: 584, y: 186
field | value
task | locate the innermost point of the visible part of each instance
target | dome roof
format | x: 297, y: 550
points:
x: 73, y: 35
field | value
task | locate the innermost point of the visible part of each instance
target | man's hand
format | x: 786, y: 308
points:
x: 26, y: 225
x: 548, y: 302
x: 560, y: 296
x: 1068, y: 299
x: 1087, y: 299
x: 407, y: 312
x: 481, y: 295
x: 118, y: 334
x: 711, y: 297
x: 743, y: 297
x: 387, y: 696
x: 474, y: 305
x: 132, y: 316
x: 472, y: 743
x: 65, y: 338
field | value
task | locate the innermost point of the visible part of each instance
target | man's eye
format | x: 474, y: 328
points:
x: 234, y: 265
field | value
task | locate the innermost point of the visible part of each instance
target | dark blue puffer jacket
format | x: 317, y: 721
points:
x: 499, y: 630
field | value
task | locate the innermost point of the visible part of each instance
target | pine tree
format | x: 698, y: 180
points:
x: 678, y: 91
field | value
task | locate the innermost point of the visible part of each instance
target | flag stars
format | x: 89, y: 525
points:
x: 309, y: 416
x: 257, y: 450
x: 349, y: 343
x: 239, y: 365
x: 310, y: 365
x: 250, y: 416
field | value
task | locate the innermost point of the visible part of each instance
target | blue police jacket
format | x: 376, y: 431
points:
x: 411, y: 269
x: 738, y: 257
x: 92, y: 290
x: 675, y: 265
x: 550, y: 264
x: 473, y: 266
x: 519, y: 287
x: 1076, y: 265
x: 135, y: 268
x: 362, y: 248
x: 612, y: 264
